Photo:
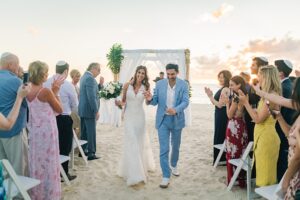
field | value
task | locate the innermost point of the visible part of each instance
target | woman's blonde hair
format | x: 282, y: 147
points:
x: 271, y: 82
x: 37, y: 71
x: 74, y: 73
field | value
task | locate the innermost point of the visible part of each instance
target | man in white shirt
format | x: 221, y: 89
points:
x: 69, y: 100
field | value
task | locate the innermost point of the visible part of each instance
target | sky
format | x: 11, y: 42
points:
x: 220, y: 34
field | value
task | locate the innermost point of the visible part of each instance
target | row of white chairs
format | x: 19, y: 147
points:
x: 20, y: 185
x: 245, y: 163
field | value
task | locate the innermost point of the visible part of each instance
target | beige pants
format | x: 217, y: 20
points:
x: 76, y: 123
x: 15, y: 150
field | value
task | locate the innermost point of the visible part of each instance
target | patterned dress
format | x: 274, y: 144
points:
x: 295, y: 182
x: 44, y: 161
x: 236, y: 143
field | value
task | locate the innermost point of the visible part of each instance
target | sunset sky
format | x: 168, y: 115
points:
x: 220, y: 34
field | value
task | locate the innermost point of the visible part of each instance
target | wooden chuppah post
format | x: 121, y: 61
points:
x: 187, y: 63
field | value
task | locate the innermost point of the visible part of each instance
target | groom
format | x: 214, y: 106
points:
x: 171, y: 96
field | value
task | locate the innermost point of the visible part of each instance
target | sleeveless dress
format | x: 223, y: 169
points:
x: 220, y: 125
x: 137, y: 156
x: 44, y: 161
x: 266, y: 150
x: 236, y: 143
x: 294, y: 185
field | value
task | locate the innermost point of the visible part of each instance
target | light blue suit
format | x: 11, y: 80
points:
x: 170, y: 125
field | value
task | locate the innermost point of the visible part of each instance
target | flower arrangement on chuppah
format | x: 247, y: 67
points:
x: 111, y: 90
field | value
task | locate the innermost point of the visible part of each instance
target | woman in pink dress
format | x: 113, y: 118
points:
x: 236, y: 133
x: 44, y: 161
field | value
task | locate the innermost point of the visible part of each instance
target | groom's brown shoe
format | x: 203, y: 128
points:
x: 164, y: 183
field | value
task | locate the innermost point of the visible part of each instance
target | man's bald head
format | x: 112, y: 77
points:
x: 10, y: 62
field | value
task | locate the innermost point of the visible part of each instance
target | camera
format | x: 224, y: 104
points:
x: 25, y: 78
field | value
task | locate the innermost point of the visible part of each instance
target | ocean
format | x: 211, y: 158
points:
x: 198, y: 93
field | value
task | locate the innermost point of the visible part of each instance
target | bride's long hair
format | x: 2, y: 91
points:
x: 145, y: 82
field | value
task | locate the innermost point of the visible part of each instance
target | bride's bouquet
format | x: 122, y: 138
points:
x: 111, y: 90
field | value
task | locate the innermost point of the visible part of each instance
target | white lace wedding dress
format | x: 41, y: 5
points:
x: 137, y: 157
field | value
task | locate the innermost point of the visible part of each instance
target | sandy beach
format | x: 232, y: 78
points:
x: 198, y: 178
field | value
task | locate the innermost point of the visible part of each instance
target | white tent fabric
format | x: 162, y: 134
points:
x: 134, y: 58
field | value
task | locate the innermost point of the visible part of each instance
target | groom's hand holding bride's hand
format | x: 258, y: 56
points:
x: 148, y: 95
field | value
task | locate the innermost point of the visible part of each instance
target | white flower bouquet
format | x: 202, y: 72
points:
x: 111, y: 90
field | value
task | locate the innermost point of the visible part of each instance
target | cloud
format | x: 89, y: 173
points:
x: 204, y: 67
x: 215, y: 15
x: 34, y: 31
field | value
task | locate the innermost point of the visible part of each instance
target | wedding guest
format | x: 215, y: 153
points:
x: 6, y: 123
x: 13, y: 143
x: 291, y: 179
x: 221, y: 119
x: 101, y: 83
x: 88, y: 108
x: 160, y: 77
x: 44, y: 103
x: 236, y: 133
x: 257, y: 63
x: 284, y: 68
x: 69, y: 100
x: 20, y: 73
x: 266, y: 140
x: 247, y: 78
x: 75, y: 75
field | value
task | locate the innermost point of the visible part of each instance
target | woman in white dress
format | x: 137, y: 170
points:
x: 137, y: 158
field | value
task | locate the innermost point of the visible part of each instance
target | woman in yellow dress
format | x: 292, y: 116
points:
x: 266, y: 140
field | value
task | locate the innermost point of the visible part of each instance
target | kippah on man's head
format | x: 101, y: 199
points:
x: 261, y: 61
x: 61, y: 66
x: 284, y: 66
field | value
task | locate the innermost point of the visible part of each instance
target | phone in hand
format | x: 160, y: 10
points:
x: 25, y: 78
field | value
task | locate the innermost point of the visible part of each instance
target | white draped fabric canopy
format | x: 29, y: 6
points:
x: 134, y: 58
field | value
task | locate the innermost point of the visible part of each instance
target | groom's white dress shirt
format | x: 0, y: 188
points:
x: 170, y: 96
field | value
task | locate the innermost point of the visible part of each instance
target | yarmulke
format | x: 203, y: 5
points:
x: 263, y: 58
x: 288, y: 64
x: 61, y: 63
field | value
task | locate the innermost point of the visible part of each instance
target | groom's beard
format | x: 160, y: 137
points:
x: 172, y: 79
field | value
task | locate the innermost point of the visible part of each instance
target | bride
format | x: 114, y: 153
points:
x: 137, y: 157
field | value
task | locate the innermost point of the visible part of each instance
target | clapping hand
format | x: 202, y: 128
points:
x: 242, y: 97
x: 257, y: 89
x: 208, y: 91
x: 224, y: 99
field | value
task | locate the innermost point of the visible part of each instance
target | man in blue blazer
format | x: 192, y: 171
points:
x: 172, y: 97
x: 284, y: 67
x: 88, y: 108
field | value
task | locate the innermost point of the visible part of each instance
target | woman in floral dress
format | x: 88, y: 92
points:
x: 44, y: 161
x: 236, y: 133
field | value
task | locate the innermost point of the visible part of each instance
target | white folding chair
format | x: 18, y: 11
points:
x: 242, y: 163
x: 271, y: 192
x: 62, y: 171
x: 78, y: 144
x: 222, y: 148
x: 16, y: 184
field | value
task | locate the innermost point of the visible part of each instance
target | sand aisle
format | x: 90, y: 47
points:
x: 198, y: 179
